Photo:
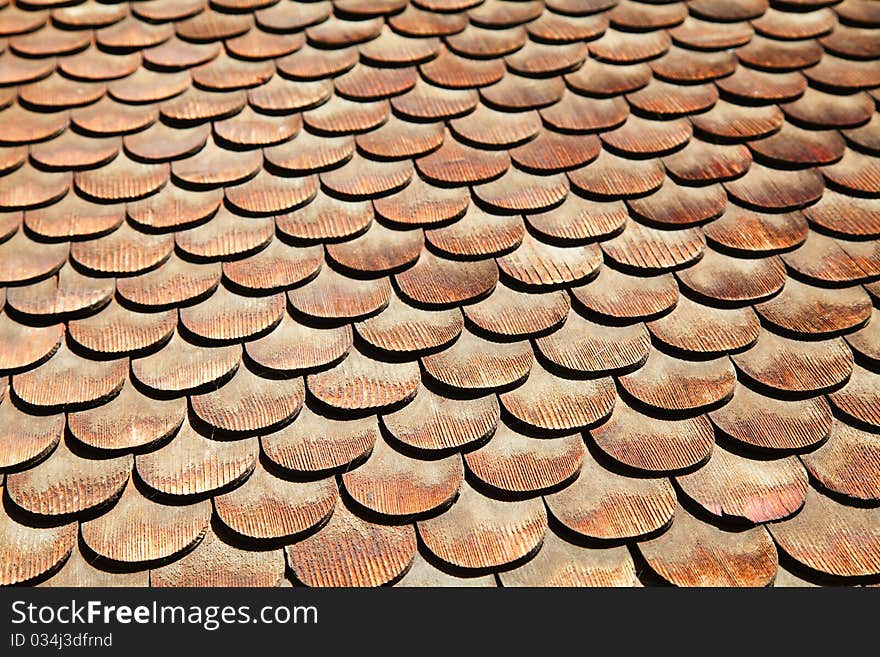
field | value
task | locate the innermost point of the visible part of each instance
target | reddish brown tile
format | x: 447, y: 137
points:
x: 396, y: 485
x: 66, y: 483
x: 652, y: 445
x: 791, y: 366
x: 128, y: 421
x: 314, y: 443
x: 830, y: 537
x: 434, y: 422
x: 481, y: 532
x: 268, y: 507
x: 362, y: 383
x: 349, y: 551
x: 772, y: 424
x: 138, y: 530
x: 607, y: 506
x: 696, y: 553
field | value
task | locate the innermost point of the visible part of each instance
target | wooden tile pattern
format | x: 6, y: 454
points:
x: 441, y: 292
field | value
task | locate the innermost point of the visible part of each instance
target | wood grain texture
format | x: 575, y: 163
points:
x: 122, y: 180
x: 331, y: 295
x: 124, y: 251
x: 362, y: 178
x: 22, y: 260
x: 518, y: 191
x: 26, y: 438
x: 402, y: 328
x: 28, y: 552
x: 116, y: 330
x: 734, y: 122
x: 216, y: 563
x: 798, y: 146
x: 160, y: 142
x: 349, y: 551
x: 399, y: 139
x: 678, y: 205
x: 66, y: 483
x: 393, y: 484
x: 379, y: 250
x: 751, y: 84
x: 315, y: 443
x: 580, y: 220
x: 793, y: 366
x: 651, y: 444
x: 859, y: 399
x: 748, y: 231
x: 640, y: 136
x: 421, y: 204
x: 514, y: 462
x: 671, y: 100
x: 75, y: 151
x: 176, y: 281
x: 827, y: 110
x: 138, y: 530
x: 702, y: 161
x: 473, y: 363
x: 227, y: 316
x: 23, y: 346
x: 181, y: 366
x: 627, y: 298
x: 266, y: 194
x: 760, y: 491
x: 247, y: 128
x: 847, y: 463
x: 822, y: 260
x: 865, y: 340
x: 457, y: 164
x: 841, y: 214
x: 562, y: 564
x: 78, y: 572
x: 490, y: 128
x: 435, y: 422
x: 702, y: 329
x: 584, y: 346
x: 192, y: 464
x: 249, y: 403
x: 603, y: 505
x: 172, y: 206
x: 553, y: 152
x: 815, y: 311
x: 554, y: 403
x: 650, y: 250
x: 268, y: 507
x: 612, y: 176
x: 423, y: 574
x: 293, y: 347
x: 479, y: 532
x: 308, y: 153
x: 70, y: 381
x: 831, y: 538
x: 761, y: 421
x: 213, y: 166
x: 275, y: 267
x: 507, y: 312
x: 360, y: 383
x: 734, y: 280
x: 427, y: 101
x: 345, y: 240
x: 695, y: 553
x: 477, y: 234
x: 535, y: 262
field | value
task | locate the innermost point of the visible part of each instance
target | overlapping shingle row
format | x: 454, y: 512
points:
x: 562, y: 292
